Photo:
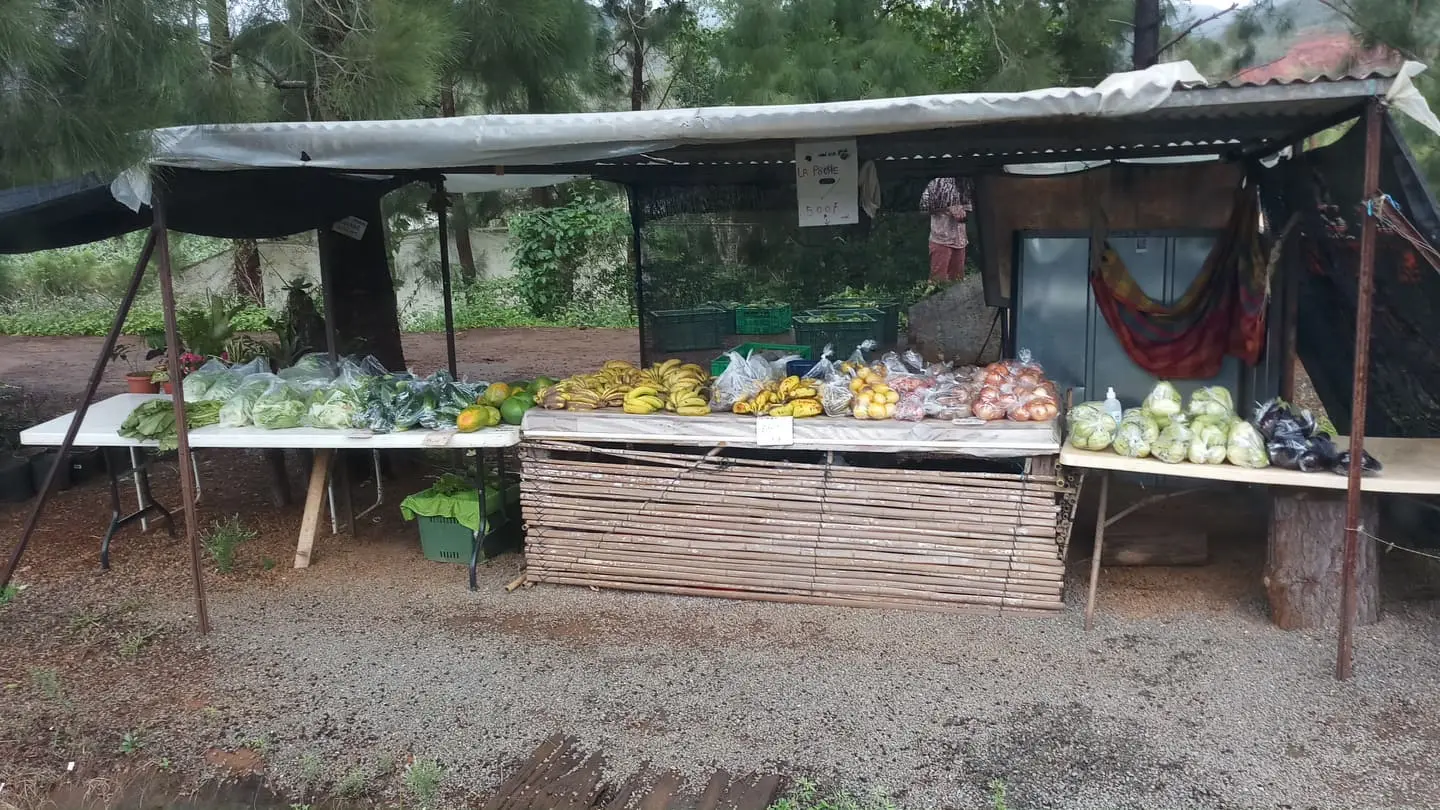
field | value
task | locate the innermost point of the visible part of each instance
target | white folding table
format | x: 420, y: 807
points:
x: 102, y: 424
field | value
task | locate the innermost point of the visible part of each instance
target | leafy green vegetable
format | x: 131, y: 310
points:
x: 1091, y: 427
x: 154, y: 420
x: 1213, y: 401
x: 1208, y: 439
x: 1173, y: 445
x: 1162, y: 403
x: 333, y: 408
x: 280, y: 407
x: 236, y: 412
x: 1246, y: 447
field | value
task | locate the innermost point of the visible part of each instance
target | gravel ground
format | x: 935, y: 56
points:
x: 1208, y: 710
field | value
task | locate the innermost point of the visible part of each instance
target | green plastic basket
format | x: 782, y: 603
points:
x: 888, y: 333
x: 842, y: 336
x: 727, y: 307
x: 684, y: 330
x: 719, y: 364
x: 443, y: 539
x: 753, y: 320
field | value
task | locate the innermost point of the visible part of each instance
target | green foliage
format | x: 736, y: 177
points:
x: 223, y: 538
x: 131, y: 743
x: 806, y: 796
x: 422, y: 781
x: 498, y: 304
x: 9, y: 593
x: 573, y: 249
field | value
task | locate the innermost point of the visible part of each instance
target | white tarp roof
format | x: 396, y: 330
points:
x: 544, y: 140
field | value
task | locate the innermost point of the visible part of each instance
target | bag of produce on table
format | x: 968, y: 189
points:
x: 154, y: 420
x: 1209, y: 439
x: 198, y: 382
x: 677, y: 387
x: 1213, y: 401
x: 1173, y: 444
x: 333, y: 407
x: 1136, y: 435
x: 1091, y: 426
x: 1163, y: 403
x: 1296, y: 441
x: 1246, y: 447
x: 309, y: 371
x: 237, y: 410
x: 281, y: 406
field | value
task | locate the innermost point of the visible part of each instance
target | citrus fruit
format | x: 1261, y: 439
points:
x: 513, y: 410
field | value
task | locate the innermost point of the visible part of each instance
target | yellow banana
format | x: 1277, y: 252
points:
x: 638, y: 407
x: 642, y: 391
x: 743, y: 406
x: 655, y: 403
x: 782, y: 410
x: 806, y: 407
x: 694, y: 410
x: 803, y: 392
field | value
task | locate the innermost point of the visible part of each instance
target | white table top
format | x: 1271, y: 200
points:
x: 979, y: 440
x: 1412, y: 467
x: 102, y: 423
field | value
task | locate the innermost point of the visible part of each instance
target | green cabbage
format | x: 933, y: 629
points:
x: 1246, y: 447
x: 1163, y: 403
x: 1173, y: 444
x: 333, y: 408
x: 236, y: 412
x: 1214, y: 401
x: 1091, y: 427
x: 281, y: 406
x: 1208, y: 439
x: 1137, y: 434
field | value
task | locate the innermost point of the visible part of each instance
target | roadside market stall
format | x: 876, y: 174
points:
x: 757, y: 157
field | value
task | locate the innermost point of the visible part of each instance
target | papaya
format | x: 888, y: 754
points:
x: 471, y: 419
x: 496, y: 393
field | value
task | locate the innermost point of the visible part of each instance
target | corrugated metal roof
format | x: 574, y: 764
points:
x: 1389, y: 72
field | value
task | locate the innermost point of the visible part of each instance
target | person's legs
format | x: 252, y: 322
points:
x: 939, y: 263
x: 957, y: 264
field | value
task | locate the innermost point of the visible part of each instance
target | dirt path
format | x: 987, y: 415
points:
x: 56, y: 368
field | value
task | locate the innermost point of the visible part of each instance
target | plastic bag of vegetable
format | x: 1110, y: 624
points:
x: 309, y: 371
x: 1172, y: 446
x: 1246, y: 447
x: 742, y: 379
x: 197, y: 383
x: 236, y: 412
x: 281, y: 406
x: 1163, y: 403
x: 1214, y: 400
x: 333, y: 407
x: 1209, y: 438
x: 1091, y: 428
x: 1136, y: 435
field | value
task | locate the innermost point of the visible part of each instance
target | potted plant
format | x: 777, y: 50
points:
x: 160, y: 377
x: 137, y: 379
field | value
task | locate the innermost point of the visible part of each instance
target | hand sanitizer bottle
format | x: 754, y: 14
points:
x: 1112, y: 405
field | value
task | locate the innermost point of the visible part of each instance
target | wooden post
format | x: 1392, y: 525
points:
x: 1306, y: 557
x: 1365, y: 292
x: 314, y: 501
x: 1099, y: 549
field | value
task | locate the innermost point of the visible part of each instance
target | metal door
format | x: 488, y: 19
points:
x: 1052, y: 295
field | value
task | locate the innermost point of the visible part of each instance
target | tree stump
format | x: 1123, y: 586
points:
x: 1303, y: 569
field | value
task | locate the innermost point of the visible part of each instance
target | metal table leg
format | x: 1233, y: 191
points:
x: 145, y: 504
x: 1099, y: 547
x: 379, y: 487
x: 484, y: 518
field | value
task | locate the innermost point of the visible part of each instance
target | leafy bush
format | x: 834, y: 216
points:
x: 499, y: 304
x: 574, y: 249
x: 35, y: 315
x: 223, y: 538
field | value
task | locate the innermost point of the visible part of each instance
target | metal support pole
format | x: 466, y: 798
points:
x: 1365, y: 290
x: 182, y: 428
x: 637, y: 221
x: 339, y: 486
x: 96, y: 373
x: 440, y: 203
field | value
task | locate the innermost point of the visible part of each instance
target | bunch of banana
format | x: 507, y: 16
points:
x: 643, y: 399
x: 791, y: 396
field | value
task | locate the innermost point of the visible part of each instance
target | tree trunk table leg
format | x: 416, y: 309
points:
x: 1306, y: 556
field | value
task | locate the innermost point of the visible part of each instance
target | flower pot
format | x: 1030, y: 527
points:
x: 40, y: 467
x: 140, y: 384
x: 15, y: 484
x: 167, y: 387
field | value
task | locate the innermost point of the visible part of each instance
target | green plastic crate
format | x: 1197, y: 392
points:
x: 888, y: 333
x: 753, y: 320
x: 842, y: 336
x: 727, y: 307
x: 719, y: 364
x: 684, y: 330
x: 877, y: 331
x: 443, y: 539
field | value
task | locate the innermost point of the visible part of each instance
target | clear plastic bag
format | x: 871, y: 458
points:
x: 950, y: 399
x: 1163, y: 403
x: 1246, y: 447
x: 1214, y: 401
x: 237, y: 409
x: 911, y: 407
x: 281, y: 406
x: 1091, y: 426
x: 1136, y: 435
x: 198, y: 382
x: 334, y: 407
x: 742, y: 379
x: 1173, y: 444
x: 1209, y: 440
x: 310, y: 371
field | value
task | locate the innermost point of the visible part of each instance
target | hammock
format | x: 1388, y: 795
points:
x: 1222, y: 313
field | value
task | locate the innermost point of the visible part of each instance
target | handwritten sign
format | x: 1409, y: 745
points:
x: 353, y: 227
x: 827, y: 182
x: 774, y: 431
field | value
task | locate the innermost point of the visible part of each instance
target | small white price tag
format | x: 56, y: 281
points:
x: 774, y: 431
x: 353, y: 227
x: 436, y: 438
x: 360, y: 434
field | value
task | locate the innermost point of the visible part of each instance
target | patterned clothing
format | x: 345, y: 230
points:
x: 940, y: 197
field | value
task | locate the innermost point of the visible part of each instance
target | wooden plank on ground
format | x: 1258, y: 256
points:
x: 759, y: 792
x: 662, y: 792
x: 314, y: 501
x: 527, y: 770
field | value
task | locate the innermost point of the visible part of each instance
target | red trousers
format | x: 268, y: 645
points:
x: 946, y: 263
